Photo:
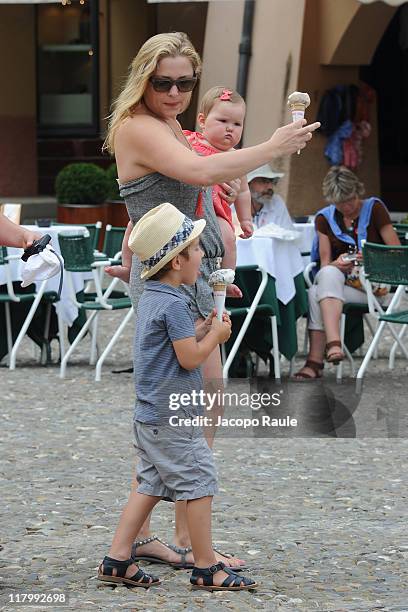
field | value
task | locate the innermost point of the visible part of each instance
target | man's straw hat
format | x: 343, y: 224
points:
x: 160, y: 235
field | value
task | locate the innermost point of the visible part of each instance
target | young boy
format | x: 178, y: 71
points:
x: 175, y: 459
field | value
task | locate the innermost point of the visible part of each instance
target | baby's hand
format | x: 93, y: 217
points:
x: 247, y: 228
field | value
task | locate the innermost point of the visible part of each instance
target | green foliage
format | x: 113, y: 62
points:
x: 82, y: 183
x: 112, y: 174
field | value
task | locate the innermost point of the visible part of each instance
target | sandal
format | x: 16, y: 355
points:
x: 336, y: 356
x: 183, y: 564
x: 140, y: 579
x: 232, y: 582
x: 312, y: 365
x: 234, y: 568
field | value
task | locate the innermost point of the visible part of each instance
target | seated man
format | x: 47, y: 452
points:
x: 267, y: 206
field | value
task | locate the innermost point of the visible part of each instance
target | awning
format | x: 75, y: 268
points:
x: 392, y: 2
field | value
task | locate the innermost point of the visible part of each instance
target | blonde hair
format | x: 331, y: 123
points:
x: 212, y: 95
x: 171, y: 44
x: 341, y: 184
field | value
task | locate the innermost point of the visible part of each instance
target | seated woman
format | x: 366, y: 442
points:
x: 340, y: 228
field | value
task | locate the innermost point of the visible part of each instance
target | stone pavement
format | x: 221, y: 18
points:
x: 320, y: 518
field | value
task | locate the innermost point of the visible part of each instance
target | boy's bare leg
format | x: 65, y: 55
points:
x: 199, y: 525
x: 132, y: 518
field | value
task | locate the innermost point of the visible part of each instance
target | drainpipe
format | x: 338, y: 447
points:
x: 245, y: 48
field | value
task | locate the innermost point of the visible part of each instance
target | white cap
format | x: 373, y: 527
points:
x: 40, y: 267
x: 264, y: 172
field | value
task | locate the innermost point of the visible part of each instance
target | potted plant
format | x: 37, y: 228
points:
x: 82, y: 190
x: 117, y: 212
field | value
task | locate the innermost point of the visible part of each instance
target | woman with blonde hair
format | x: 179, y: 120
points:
x: 340, y: 228
x: 156, y: 164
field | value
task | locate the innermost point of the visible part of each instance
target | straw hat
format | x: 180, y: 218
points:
x: 160, y: 235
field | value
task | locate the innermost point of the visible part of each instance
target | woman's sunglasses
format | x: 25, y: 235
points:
x: 164, y: 85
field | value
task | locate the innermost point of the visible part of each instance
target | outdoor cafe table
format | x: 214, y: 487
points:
x: 64, y: 306
x: 285, y: 290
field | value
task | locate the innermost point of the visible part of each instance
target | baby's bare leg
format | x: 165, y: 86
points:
x: 228, y: 237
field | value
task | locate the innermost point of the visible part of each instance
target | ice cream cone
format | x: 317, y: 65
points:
x: 298, y: 103
x: 219, y: 292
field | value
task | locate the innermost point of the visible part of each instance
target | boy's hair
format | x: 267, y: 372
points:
x: 167, y: 267
x: 212, y: 95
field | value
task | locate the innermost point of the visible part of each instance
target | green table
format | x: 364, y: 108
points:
x: 258, y: 337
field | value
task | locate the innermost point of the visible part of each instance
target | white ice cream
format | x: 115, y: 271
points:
x: 225, y: 276
x: 298, y: 97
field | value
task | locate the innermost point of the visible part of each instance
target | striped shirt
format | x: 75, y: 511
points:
x: 163, y: 316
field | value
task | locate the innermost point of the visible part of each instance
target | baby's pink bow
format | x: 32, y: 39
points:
x: 226, y: 95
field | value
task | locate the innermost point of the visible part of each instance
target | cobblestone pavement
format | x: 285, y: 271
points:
x: 321, y: 521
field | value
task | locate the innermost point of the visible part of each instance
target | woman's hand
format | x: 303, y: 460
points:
x: 292, y: 137
x: 28, y: 238
x: 343, y: 266
x: 230, y: 190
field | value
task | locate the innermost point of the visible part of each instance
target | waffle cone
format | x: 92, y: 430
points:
x: 219, y: 287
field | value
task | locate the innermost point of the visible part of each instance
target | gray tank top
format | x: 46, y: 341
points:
x: 143, y: 194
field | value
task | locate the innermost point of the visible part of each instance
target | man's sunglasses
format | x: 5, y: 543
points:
x: 164, y: 85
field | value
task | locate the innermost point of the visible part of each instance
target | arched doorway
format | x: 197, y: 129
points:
x: 388, y: 75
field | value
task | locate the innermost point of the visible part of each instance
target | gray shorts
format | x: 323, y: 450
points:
x: 174, y: 462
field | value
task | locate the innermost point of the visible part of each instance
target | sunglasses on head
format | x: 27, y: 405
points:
x: 162, y: 85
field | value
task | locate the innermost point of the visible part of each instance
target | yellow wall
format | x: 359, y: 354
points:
x: 274, y: 65
x: 308, y: 170
x: 130, y: 26
x: 222, y: 37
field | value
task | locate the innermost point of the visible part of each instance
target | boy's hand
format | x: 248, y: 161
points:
x: 222, y: 329
x: 247, y: 228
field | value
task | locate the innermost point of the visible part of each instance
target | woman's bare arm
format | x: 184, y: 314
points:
x: 389, y: 235
x: 13, y: 235
x: 144, y: 144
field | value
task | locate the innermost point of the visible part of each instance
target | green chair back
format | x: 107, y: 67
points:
x: 77, y: 251
x: 113, y: 240
x: 94, y: 230
x: 3, y: 255
x: 386, y: 264
x: 402, y: 231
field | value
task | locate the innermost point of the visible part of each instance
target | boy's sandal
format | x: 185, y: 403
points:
x: 232, y: 582
x: 183, y: 564
x: 140, y: 579
x: 312, y: 365
x: 335, y: 356
x: 234, y: 568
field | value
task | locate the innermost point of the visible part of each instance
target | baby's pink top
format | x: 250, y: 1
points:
x: 202, y: 147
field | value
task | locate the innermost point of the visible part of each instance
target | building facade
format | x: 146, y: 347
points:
x: 62, y: 63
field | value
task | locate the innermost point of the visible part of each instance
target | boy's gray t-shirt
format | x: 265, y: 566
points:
x: 163, y: 316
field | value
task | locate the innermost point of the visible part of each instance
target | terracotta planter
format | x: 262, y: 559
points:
x: 79, y: 214
x: 117, y: 213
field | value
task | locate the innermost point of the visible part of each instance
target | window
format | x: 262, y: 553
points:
x: 67, y: 68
